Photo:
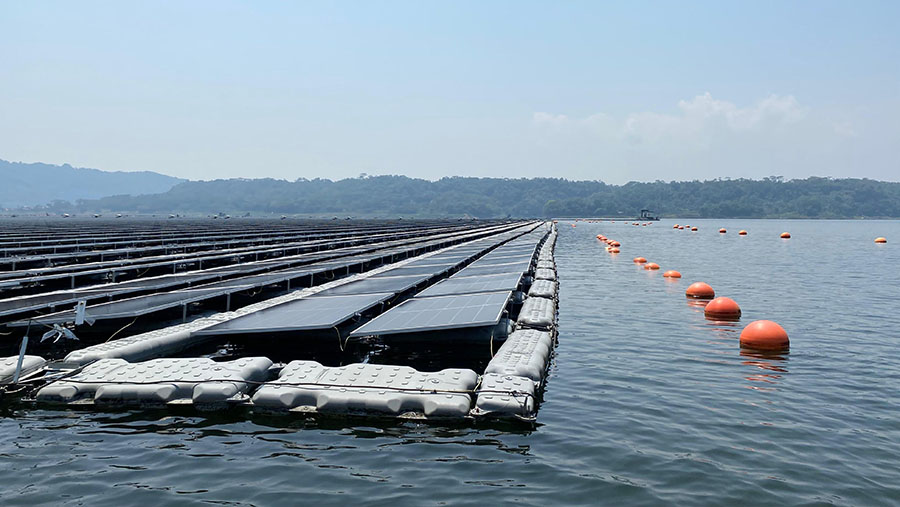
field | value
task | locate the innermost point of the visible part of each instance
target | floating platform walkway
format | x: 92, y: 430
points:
x: 337, y: 328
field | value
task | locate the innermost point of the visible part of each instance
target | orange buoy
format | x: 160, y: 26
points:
x: 640, y: 260
x: 675, y: 226
x: 680, y: 227
x: 742, y: 232
x: 764, y: 335
x: 615, y: 243
x: 613, y: 250
x: 722, y: 308
x: 700, y: 290
x: 672, y: 274
x: 651, y: 265
x: 785, y: 235
x: 694, y: 229
x: 881, y: 240
x: 722, y: 231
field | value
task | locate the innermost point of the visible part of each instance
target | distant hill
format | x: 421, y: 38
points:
x: 33, y: 184
x: 770, y: 197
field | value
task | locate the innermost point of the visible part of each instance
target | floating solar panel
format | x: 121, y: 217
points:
x: 430, y: 261
x: 409, y: 269
x: 305, y: 314
x: 515, y: 250
x: 473, y: 284
x: 493, y: 269
x: 36, y: 302
x: 503, y: 259
x: 438, y: 313
x: 130, y: 307
x: 372, y: 285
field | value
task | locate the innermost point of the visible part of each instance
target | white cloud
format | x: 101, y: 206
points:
x: 547, y: 119
x: 704, y: 137
x: 699, y: 117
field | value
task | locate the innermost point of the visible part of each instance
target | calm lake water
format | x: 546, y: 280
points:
x: 647, y: 402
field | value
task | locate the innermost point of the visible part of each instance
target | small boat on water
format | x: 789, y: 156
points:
x: 648, y: 215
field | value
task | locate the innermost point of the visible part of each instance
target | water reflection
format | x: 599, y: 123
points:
x: 768, y: 368
x: 724, y: 330
x: 697, y: 305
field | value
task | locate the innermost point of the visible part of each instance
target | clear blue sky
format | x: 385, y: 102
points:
x: 585, y: 90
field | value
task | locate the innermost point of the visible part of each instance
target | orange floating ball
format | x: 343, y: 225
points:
x: 694, y: 229
x: 722, y: 231
x: 764, y: 335
x: 672, y: 274
x: 881, y: 240
x: 742, y: 232
x: 615, y: 243
x: 700, y: 290
x: 722, y: 308
x: 675, y: 226
x: 680, y: 227
x: 785, y: 235
x: 613, y: 250
x: 651, y: 265
x: 640, y: 260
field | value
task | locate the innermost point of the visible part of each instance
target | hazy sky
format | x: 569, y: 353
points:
x: 616, y: 91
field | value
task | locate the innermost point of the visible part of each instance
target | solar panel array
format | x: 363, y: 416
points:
x: 476, y: 296
x: 150, y: 303
x: 359, y: 295
x: 470, y: 284
x: 438, y: 313
x: 321, y: 312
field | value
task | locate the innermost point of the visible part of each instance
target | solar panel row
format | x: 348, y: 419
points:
x: 438, y: 313
x: 156, y: 302
x: 322, y: 312
x: 334, y: 306
x: 476, y: 296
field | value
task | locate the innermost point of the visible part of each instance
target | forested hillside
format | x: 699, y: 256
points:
x: 23, y: 184
x: 497, y: 197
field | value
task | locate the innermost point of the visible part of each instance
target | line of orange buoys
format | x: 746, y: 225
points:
x: 762, y: 335
x: 612, y: 246
x: 759, y: 335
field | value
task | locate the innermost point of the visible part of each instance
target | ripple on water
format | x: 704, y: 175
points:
x: 647, y: 401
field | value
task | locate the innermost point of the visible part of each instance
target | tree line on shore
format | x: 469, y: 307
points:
x: 384, y: 196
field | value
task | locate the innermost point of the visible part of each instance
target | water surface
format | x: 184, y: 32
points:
x: 647, y: 402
